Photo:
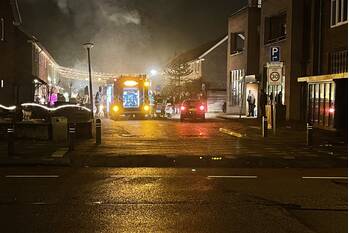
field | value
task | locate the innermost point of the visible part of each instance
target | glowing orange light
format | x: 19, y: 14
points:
x: 130, y: 83
x: 182, y: 108
x: 115, y: 108
x: 146, y: 108
x: 202, y: 108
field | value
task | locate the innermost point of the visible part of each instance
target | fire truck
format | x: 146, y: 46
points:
x: 131, y: 97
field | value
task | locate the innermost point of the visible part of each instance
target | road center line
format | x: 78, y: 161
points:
x: 32, y: 176
x: 135, y: 176
x: 325, y: 177
x: 234, y: 177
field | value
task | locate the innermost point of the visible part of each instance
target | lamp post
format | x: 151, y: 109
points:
x: 89, y: 46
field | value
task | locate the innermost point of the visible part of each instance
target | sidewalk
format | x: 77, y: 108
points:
x: 290, y: 141
x: 208, y: 115
x: 231, y: 116
x: 212, y: 115
x: 32, y: 152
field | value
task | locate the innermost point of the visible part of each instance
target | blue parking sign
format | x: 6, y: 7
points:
x: 275, y: 54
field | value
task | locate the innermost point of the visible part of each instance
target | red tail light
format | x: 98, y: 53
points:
x: 182, y: 108
x: 202, y: 108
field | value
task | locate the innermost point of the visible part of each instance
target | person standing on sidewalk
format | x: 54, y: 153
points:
x: 224, y: 107
x: 263, y: 99
x: 251, y: 100
x: 98, y: 100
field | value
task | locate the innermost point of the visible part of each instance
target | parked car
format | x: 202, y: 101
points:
x: 192, y: 109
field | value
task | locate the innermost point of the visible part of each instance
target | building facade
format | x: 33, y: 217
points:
x: 312, y: 38
x: 325, y: 77
x: 25, y: 66
x: 28, y: 73
x: 282, y: 27
x: 243, y: 58
x: 208, y: 65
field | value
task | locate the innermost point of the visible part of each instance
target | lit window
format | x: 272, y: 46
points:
x: 339, y: 12
x: 2, y: 27
x: 236, y: 83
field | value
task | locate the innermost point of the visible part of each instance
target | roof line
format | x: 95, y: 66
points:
x: 239, y: 10
x: 214, y: 47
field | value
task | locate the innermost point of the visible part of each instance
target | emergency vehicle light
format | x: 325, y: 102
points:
x: 130, y: 83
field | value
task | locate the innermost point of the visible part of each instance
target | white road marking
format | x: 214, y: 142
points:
x: 135, y: 176
x: 39, y: 203
x: 159, y: 176
x: 230, y: 132
x: 32, y: 176
x: 234, y: 177
x: 326, y: 177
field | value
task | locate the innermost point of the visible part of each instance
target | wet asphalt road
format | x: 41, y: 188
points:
x: 95, y: 194
x: 182, y: 144
x: 169, y: 137
x: 41, y: 199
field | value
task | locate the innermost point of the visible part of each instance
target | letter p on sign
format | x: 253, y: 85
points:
x: 275, y: 54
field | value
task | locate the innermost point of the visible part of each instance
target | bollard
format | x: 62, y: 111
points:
x: 274, y: 119
x: 309, y: 134
x: 98, y: 131
x: 11, y: 141
x: 72, y: 132
x: 264, y: 127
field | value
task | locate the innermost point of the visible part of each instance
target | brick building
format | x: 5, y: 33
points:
x: 25, y: 65
x: 282, y: 26
x: 324, y: 76
x: 242, y: 57
x: 312, y: 37
x: 208, y: 65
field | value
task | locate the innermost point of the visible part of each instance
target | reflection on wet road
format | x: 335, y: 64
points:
x: 168, y: 137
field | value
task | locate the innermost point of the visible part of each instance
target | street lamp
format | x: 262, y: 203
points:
x: 89, y: 46
x: 153, y: 72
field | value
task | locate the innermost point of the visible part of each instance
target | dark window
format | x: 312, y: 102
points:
x: 333, y: 13
x: 345, y: 10
x: 275, y: 28
x: 237, y: 42
x: 338, y: 62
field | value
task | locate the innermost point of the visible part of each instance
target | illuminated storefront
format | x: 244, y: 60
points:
x: 326, y: 100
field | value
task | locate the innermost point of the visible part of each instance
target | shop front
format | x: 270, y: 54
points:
x: 243, y: 94
x: 327, y: 100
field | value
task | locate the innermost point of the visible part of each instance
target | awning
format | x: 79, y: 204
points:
x: 323, y: 78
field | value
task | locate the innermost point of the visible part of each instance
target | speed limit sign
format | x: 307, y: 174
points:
x: 274, y: 73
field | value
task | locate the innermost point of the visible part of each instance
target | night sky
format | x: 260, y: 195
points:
x: 131, y: 36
